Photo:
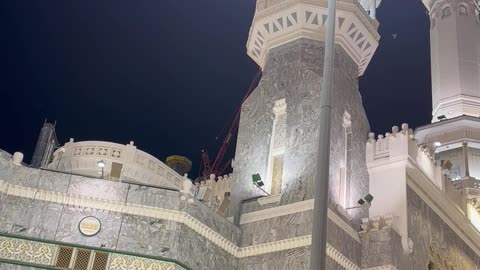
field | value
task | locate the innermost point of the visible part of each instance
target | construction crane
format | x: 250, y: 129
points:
x: 218, y: 168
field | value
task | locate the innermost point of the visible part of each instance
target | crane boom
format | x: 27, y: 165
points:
x: 217, y: 168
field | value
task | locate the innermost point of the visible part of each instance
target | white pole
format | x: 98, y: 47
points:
x: 373, y: 9
x: 319, y: 229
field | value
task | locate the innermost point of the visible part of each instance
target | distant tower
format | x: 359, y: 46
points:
x: 455, y: 54
x: 180, y: 164
x: 277, y: 138
x: 46, y: 145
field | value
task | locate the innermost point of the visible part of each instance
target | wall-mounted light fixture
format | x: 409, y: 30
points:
x: 101, y: 164
x: 364, y: 202
x: 258, y: 182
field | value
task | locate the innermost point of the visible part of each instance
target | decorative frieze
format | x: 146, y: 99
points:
x: 27, y: 251
x: 121, y: 262
x: 40, y: 253
x: 272, y: 27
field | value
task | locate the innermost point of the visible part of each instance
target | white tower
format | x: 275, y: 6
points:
x: 454, y: 136
x: 455, y: 54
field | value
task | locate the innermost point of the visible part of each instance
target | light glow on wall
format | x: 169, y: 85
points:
x: 474, y: 216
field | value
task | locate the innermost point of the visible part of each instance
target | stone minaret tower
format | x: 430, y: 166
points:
x: 279, y: 121
x: 455, y: 53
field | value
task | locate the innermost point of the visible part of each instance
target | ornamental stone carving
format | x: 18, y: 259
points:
x: 276, y: 24
x: 26, y: 251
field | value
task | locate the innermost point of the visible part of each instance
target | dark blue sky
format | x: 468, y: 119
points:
x: 170, y: 74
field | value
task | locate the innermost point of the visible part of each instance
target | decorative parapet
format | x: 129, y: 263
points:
x: 400, y: 145
x: 215, y: 192
x: 130, y: 163
x: 279, y: 22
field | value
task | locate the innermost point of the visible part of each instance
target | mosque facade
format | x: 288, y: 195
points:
x: 403, y: 200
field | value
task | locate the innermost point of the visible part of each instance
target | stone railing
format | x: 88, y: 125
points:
x: 121, y: 163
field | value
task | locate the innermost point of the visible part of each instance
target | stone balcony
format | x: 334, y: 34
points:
x: 124, y: 163
x: 281, y: 21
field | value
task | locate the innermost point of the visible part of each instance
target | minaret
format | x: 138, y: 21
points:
x: 278, y: 132
x: 455, y: 56
x: 454, y: 134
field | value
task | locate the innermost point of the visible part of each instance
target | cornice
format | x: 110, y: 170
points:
x: 293, y: 20
x: 294, y: 208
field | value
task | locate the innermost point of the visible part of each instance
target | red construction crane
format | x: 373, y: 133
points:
x: 218, y: 168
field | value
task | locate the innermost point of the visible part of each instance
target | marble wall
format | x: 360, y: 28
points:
x: 434, y: 241
x: 429, y: 232
x: 298, y: 258
x: 293, y: 71
x: 125, y: 232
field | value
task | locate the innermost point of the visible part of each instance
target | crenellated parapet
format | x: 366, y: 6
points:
x: 401, y: 145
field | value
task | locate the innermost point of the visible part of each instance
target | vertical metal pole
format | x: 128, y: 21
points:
x: 319, y: 230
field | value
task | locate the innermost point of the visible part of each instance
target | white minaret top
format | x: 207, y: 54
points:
x: 455, y: 53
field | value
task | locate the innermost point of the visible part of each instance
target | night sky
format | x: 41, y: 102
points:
x: 170, y: 74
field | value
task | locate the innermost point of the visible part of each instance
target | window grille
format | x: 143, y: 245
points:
x: 100, y: 261
x: 64, y: 256
x: 82, y: 259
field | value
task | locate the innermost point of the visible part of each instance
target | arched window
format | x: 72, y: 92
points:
x: 446, y: 12
x: 344, y: 179
x: 463, y: 10
x: 277, y: 147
